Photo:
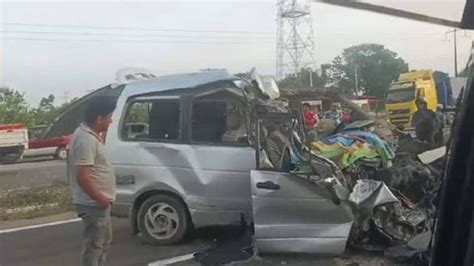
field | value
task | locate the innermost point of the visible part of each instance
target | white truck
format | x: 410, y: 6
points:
x: 13, y: 142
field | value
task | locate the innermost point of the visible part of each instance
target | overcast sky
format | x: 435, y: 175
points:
x: 65, y: 63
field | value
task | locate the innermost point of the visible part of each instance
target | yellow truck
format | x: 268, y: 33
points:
x: 400, y: 105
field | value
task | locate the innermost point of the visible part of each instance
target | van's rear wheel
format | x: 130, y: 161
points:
x: 162, y: 220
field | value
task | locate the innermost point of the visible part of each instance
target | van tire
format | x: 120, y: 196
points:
x: 173, y: 209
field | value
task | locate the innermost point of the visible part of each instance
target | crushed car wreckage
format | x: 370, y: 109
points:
x: 361, y: 185
x: 373, y: 169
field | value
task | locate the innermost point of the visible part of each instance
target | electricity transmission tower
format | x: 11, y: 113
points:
x: 295, y: 38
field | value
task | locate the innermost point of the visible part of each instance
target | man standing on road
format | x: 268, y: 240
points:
x: 424, y: 121
x: 92, y: 180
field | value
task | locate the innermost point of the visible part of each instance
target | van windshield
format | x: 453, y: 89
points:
x: 400, y: 95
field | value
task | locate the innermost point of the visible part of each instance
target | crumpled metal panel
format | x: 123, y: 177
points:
x: 213, y: 181
x: 179, y: 81
x: 297, y: 215
x: 376, y: 191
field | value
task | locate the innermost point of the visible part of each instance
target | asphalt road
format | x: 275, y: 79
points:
x: 61, y: 245
x: 32, y: 173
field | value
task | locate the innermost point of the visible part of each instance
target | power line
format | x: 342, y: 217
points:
x: 118, y: 41
x: 133, y: 28
x: 128, y: 35
x: 398, y: 34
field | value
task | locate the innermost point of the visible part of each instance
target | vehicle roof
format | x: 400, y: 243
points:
x: 415, y: 74
x: 179, y: 81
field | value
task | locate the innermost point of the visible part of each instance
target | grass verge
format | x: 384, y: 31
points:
x: 35, y: 202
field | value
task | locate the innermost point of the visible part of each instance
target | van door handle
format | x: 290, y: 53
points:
x: 268, y: 185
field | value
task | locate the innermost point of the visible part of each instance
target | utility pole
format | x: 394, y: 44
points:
x: 455, y: 50
x: 310, y: 71
x: 65, y: 97
x: 356, y: 77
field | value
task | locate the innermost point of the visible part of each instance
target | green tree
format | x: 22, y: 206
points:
x: 14, y: 108
x: 47, y: 103
x: 375, y: 65
x: 47, y: 111
x: 302, y: 80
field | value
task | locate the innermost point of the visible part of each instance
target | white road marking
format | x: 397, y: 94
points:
x: 39, y: 226
x: 30, y: 208
x: 172, y: 260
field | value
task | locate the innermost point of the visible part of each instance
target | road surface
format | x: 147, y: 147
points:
x: 60, y: 244
x: 32, y: 174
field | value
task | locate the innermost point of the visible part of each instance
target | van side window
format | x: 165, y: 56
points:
x: 152, y: 120
x: 218, y: 122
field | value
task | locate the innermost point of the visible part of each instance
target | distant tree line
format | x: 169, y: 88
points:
x: 372, y: 65
x: 15, y: 109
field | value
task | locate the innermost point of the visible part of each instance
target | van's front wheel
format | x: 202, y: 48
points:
x: 162, y: 220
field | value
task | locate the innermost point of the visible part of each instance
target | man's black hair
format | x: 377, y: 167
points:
x: 99, y: 106
x: 306, y: 105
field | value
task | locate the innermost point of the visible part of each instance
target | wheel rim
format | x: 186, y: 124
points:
x: 162, y: 221
x: 62, y: 154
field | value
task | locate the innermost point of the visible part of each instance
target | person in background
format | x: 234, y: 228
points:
x: 316, y: 112
x: 440, y: 115
x: 346, y: 117
x: 311, y: 118
x: 236, y: 130
x: 441, y: 123
x: 92, y: 180
x: 424, y: 120
x: 334, y: 114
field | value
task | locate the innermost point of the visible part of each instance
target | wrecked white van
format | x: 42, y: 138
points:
x: 209, y: 148
x: 196, y: 165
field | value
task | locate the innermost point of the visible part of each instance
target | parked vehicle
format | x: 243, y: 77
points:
x: 13, y: 142
x: 400, y: 105
x: 197, y: 167
x: 56, y: 146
